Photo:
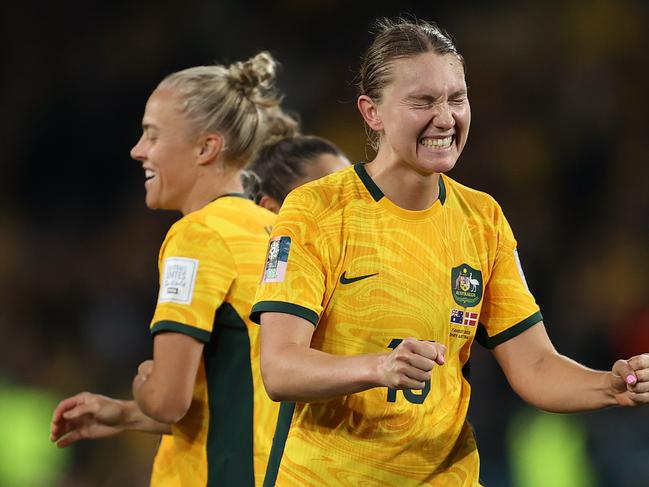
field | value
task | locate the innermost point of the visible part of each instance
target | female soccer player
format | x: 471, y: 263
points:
x: 202, y: 389
x: 285, y: 164
x: 379, y: 278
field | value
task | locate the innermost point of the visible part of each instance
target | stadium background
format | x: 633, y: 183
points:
x: 559, y: 137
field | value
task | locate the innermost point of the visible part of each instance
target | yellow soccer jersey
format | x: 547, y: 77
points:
x: 209, y: 266
x: 368, y: 274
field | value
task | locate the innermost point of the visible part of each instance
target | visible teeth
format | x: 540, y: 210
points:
x: 148, y: 173
x: 437, y: 143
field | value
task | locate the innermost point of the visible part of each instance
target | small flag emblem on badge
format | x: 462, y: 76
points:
x: 470, y: 319
x: 456, y: 316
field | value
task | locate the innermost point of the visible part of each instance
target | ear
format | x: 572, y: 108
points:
x: 210, y: 147
x: 369, y: 111
x: 269, y: 203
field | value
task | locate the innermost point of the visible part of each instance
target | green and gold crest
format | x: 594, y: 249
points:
x: 466, y: 285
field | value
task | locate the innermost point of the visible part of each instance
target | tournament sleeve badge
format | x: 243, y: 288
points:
x: 466, y: 285
x: 277, y: 259
x: 178, y: 279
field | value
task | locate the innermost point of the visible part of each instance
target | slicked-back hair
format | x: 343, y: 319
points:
x: 396, y: 39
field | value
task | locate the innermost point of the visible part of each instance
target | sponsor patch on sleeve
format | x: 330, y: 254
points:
x: 178, y: 279
x: 520, y: 268
x: 277, y: 259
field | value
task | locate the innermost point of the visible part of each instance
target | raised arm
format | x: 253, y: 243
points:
x: 552, y: 382
x: 164, y: 387
x: 293, y: 371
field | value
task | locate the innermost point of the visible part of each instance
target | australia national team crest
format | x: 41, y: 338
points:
x: 466, y: 285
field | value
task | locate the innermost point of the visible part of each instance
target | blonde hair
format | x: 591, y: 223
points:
x: 236, y: 101
x: 281, y: 125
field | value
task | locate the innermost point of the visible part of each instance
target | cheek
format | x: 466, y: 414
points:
x: 404, y: 123
x: 464, y: 118
x: 463, y: 123
x: 167, y: 159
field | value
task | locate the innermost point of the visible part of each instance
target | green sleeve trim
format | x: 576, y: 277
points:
x: 192, y: 331
x: 490, y: 342
x: 282, y: 307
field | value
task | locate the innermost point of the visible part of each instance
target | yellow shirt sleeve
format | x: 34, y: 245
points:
x: 508, y: 307
x: 294, y: 276
x: 196, y: 272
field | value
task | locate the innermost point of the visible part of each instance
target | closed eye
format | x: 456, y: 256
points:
x: 150, y: 132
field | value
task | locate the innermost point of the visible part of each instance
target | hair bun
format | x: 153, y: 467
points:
x: 254, y: 77
x: 281, y: 124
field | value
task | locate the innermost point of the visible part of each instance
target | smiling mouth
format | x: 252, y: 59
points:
x: 437, y: 143
x: 149, y: 174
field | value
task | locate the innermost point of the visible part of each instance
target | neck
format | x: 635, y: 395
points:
x: 209, y: 185
x: 402, y: 184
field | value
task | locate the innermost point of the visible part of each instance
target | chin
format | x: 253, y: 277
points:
x: 446, y: 166
x: 151, y: 203
x: 436, y: 166
x: 429, y: 163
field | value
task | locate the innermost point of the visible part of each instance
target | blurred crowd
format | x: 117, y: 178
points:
x: 559, y: 138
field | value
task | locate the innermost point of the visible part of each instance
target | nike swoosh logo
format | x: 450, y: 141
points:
x: 348, y: 280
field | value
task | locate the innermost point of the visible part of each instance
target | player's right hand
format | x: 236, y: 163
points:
x: 409, y: 365
x: 86, y: 416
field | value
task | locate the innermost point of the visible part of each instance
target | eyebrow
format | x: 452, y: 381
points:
x: 431, y: 99
x: 147, y: 126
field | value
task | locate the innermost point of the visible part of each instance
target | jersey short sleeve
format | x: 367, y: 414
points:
x: 508, y: 307
x: 293, y: 280
x: 196, y: 271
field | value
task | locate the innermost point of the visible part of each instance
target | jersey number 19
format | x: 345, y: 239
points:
x: 414, y: 396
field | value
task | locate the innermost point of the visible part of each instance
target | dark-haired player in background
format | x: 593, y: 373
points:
x: 289, y: 162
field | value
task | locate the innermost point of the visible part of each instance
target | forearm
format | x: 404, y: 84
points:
x: 160, y: 397
x: 163, y: 387
x: 298, y: 373
x: 559, y: 384
x: 151, y: 402
x: 136, y: 420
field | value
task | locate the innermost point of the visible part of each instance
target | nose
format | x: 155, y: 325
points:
x: 444, y: 118
x: 137, y: 152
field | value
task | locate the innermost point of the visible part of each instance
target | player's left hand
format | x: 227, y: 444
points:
x: 143, y: 373
x: 630, y: 380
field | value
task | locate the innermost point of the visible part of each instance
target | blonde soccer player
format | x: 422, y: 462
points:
x: 202, y: 391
